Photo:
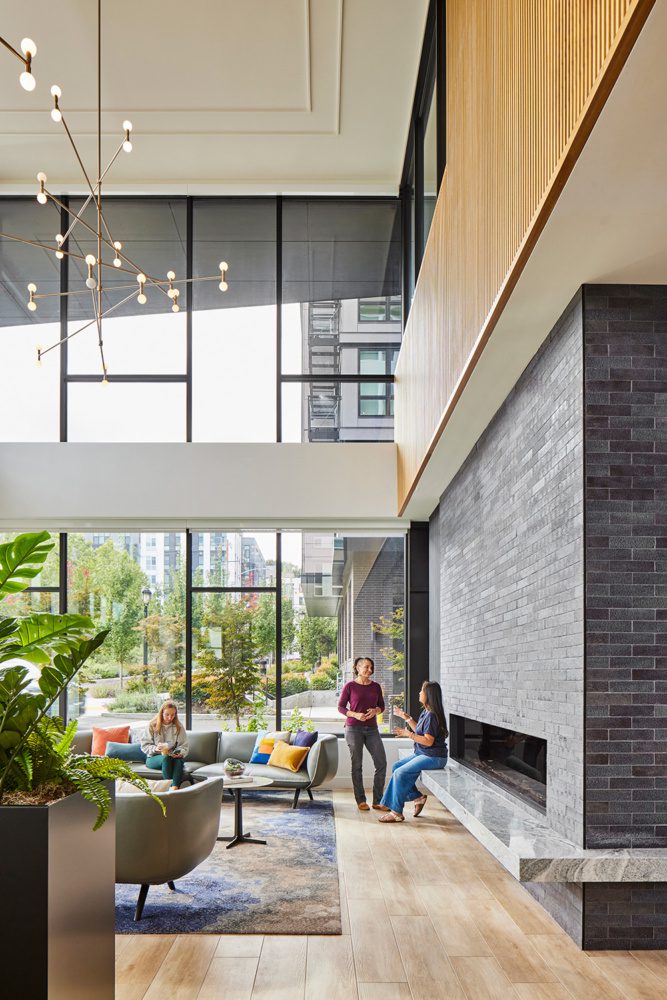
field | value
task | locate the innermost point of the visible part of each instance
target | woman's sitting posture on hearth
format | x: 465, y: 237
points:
x: 428, y: 735
x: 165, y: 743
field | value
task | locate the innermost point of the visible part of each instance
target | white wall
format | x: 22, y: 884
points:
x: 60, y: 485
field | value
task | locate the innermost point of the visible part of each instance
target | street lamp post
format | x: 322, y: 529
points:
x: 146, y: 593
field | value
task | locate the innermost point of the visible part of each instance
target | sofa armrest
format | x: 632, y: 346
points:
x: 322, y: 761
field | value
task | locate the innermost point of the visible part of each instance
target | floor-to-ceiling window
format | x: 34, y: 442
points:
x: 276, y: 355
x: 214, y: 639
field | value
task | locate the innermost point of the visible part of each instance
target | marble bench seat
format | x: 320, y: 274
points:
x: 524, y: 843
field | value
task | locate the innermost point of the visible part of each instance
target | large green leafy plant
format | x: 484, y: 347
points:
x: 36, y: 757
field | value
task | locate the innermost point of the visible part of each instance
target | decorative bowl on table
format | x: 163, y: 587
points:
x: 233, y: 768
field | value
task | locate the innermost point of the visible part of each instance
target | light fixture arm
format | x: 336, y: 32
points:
x: 101, y: 232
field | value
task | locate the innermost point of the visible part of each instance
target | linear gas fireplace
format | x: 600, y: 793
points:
x: 509, y: 758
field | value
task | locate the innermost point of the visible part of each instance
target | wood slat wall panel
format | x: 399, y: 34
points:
x: 526, y: 80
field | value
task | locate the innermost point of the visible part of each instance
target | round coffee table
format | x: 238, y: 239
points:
x: 246, y: 786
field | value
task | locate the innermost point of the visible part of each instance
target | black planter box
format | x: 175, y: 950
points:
x: 57, y: 882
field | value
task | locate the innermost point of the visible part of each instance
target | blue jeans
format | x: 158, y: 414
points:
x: 404, y: 773
x: 172, y: 767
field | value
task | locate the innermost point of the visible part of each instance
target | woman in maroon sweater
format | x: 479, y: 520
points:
x: 361, y: 702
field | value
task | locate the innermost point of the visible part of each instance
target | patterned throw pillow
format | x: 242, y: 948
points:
x: 117, y: 734
x: 287, y: 757
x: 264, y: 745
x: 303, y: 739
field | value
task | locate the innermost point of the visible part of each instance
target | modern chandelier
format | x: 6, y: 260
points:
x: 110, y: 251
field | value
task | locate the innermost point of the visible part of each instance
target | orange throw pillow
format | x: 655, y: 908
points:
x: 117, y: 734
x: 288, y: 757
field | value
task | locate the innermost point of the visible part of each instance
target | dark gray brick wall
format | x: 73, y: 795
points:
x: 626, y: 565
x: 625, y: 915
x: 511, y: 570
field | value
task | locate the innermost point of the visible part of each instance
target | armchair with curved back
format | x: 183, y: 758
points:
x: 152, y: 849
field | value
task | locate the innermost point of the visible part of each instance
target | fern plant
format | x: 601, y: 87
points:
x: 36, y: 750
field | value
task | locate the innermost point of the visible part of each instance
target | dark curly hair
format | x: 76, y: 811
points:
x: 358, y: 660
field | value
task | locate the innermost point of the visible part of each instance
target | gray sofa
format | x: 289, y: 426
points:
x: 208, y: 750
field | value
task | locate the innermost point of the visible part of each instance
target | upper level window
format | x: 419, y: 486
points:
x: 382, y: 309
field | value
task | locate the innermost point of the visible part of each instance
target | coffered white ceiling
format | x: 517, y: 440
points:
x: 258, y: 96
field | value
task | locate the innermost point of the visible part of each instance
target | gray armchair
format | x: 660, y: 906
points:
x: 152, y: 849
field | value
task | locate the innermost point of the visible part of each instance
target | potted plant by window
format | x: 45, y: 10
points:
x: 57, y: 837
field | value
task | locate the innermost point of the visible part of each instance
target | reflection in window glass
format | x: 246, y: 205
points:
x: 123, y: 586
x: 124, y: 411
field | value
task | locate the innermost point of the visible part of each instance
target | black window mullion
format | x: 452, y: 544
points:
x: 279, y: 630
x: 441, y: 87
x: 188, y: 629
x: 62, y: 590
x: 64, y: 287
x: 279, y: 318
x: 188, y: 317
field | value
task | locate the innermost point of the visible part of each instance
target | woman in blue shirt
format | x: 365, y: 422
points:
x: 428, y: 734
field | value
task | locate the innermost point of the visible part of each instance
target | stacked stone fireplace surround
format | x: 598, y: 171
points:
x: 550, y: 553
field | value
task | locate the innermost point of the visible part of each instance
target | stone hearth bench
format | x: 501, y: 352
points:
x: 523, y: 842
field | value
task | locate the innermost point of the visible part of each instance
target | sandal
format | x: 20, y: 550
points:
x: 392, y: 817
x: 419, y: 804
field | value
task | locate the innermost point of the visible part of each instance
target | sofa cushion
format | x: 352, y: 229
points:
x: 302, y: 738
x: 126, y: 751
x: 237, y: 745
x: 288, y: 758
x: 114, y: 734
x: 203, y: 745
x: 150, y: 772
x: 127, y: 788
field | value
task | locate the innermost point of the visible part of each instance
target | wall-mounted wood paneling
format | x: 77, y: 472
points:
x: 526, y: 81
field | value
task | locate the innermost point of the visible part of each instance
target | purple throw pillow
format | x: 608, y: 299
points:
x: 304, y: 739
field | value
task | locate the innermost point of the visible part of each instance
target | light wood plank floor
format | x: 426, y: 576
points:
x: 427, y: 913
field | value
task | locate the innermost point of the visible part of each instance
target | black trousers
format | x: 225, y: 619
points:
x: 358, y: 737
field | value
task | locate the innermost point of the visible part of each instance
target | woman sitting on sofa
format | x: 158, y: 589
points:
x: 165, y: 743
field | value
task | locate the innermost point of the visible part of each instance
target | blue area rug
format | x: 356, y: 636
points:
x: 290, y: 886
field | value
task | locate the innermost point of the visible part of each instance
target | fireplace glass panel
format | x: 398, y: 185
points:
x: 510, y: 758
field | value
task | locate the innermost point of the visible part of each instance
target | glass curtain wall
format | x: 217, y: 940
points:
x: 133, y: 584
x: 341, y: 301
x: 281, y: 355
x: 342, y: 596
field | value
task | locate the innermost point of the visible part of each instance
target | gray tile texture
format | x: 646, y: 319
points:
x: 512, y: 570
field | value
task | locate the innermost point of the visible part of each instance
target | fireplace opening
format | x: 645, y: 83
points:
x: 514, y: 760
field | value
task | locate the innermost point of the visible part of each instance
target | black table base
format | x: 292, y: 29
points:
x: 239, y: 836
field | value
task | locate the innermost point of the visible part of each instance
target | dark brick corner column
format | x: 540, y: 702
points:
x: 625, y: 467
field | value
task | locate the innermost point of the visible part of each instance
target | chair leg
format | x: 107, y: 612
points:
x: 310, y: 795
x: 296, y: 798
x: 171, y: 886
x: 143, y: 892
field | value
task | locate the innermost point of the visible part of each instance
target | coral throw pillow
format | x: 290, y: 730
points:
x: 287, y: 757
x: 118, y: 734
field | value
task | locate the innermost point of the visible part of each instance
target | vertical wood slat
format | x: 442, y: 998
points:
x: 521, y: 75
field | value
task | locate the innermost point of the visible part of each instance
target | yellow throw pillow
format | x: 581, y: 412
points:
x: 288, y: 757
